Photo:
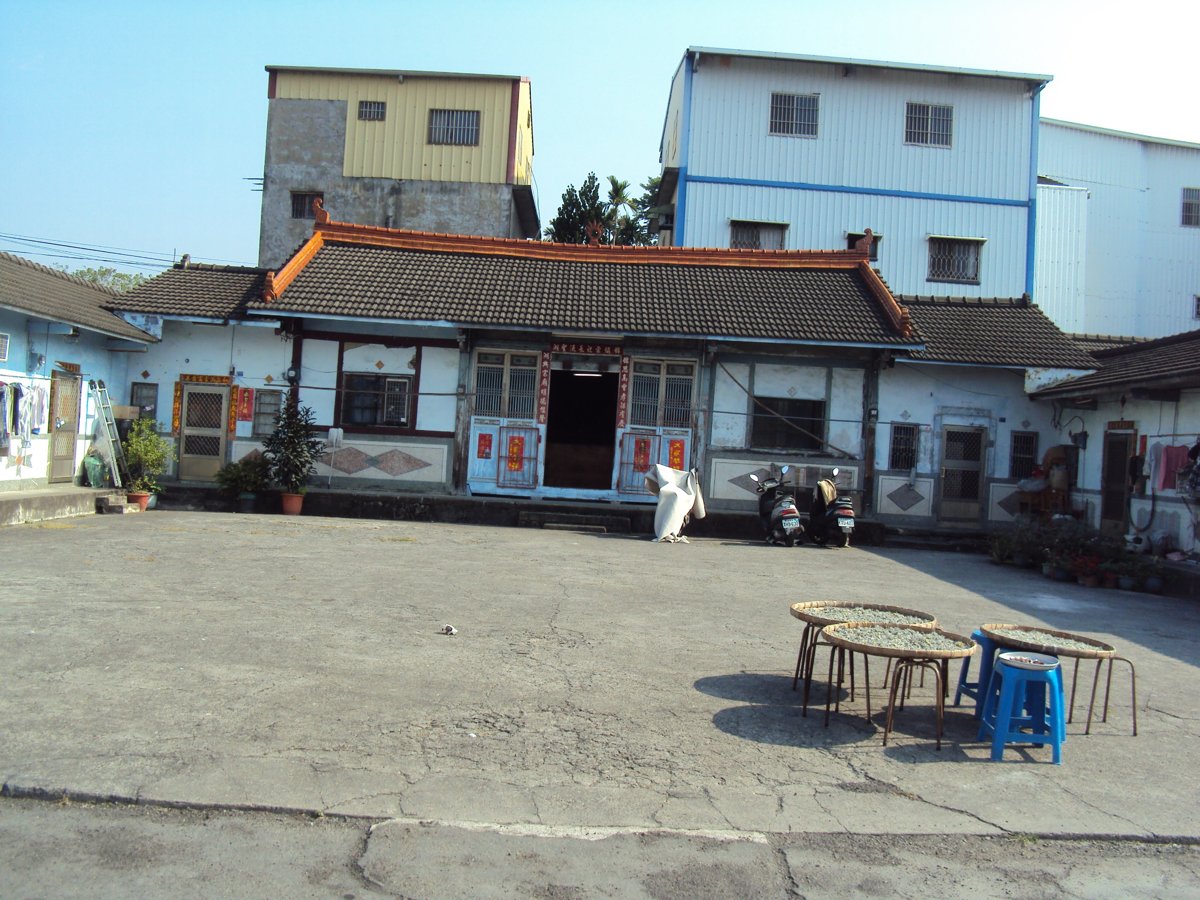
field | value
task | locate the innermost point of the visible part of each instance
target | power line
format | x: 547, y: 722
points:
x: 144, y: 259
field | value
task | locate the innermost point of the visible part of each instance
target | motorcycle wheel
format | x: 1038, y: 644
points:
x: 843, y: 539
x: 790, y: 541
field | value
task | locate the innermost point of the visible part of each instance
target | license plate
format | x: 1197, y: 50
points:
x: 845, y: 523
x: 791, y: 522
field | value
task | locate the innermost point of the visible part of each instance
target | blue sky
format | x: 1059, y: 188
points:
x: 133, y: 125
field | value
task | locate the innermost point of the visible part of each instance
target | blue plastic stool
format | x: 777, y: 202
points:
x: 975, y: 689
x: 1023, y: 698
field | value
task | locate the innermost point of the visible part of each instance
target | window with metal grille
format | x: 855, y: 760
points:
x: 379, y: 400
x: 302, y: 203
x: 954, y: 259
x: 506, y: 385
x: 853, y: 237
x: 795, y: 114
x: 459, y: 127
x: 372, y: 110
x: 928, y: 124
x: 756, y: 235
x: 903, y: 451
x: 1023, y: 457
x: 660, y: 393
x: 1191, y: 207
x: 781, y: 423
x: 4, y: 347
x: 267, y: 405
x: 1195, y: 313
x: 144, y: 396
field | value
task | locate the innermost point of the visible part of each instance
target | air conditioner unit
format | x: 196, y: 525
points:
x: 3, y: 348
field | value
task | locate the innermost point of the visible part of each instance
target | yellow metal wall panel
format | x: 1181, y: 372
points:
x: 523, y: 172
x: 397, y: 147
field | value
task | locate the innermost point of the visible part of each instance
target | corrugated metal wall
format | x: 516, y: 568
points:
x: 847, y: 177
x: 1142, y: 265
x: 1060, y: 279
x: 397, y: 147
x: 821, y: 221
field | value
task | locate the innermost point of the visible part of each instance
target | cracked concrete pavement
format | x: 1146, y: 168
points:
x: 613, y: 716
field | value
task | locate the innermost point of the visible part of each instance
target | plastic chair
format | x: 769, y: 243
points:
x: 1019, y: 699
x: 975, y: 689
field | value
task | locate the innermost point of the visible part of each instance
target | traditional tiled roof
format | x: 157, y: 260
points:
x: 46, y: 293
x: 188, y: 289
x: 786, y: 296
x: 995, y: 332
x: 1170, y: 362
x: 1091, y: 343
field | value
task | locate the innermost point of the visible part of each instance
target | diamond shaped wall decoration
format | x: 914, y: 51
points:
x: 906, y: 497
x: 1011, y: 504
x: 350, y: 460
x: 397, y: 462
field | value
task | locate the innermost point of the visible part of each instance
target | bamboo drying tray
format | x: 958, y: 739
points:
x: 1041, y: 640
x: 843, y: 634
x: 810, y: 612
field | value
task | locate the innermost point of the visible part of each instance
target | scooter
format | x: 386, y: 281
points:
x: 777, y: 510
x: 831, y: 516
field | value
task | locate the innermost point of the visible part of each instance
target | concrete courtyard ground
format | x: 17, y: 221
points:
x: 206, y: 704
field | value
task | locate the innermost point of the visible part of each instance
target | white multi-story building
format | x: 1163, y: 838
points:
x: 780, y: 151
x: 1118, y: 231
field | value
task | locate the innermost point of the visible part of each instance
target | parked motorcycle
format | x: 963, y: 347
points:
x: 831, y: 516
x: 777, y: 510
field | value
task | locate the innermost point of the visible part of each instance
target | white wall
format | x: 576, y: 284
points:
x: 1142, y: 265
x: 1060, y: 277
x: 437, y: 406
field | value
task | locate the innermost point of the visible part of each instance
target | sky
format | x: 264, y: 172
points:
x: 135, y: 126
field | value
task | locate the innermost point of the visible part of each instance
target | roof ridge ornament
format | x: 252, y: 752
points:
x: 320, y: 215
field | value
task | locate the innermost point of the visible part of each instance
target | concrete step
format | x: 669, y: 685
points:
x: 115, y: 505
x: 569, y: 521
x: 54, y: 502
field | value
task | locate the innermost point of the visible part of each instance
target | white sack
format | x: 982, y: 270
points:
x: 678, y: 495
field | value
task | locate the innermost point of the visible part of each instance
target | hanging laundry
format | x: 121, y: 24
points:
x: 1173, y: 459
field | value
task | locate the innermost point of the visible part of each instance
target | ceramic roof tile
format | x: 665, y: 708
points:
x: 215, y: 292
x: 1166, y: 362
x: 50, y: 294
x: 999, y: 332
x: 797, y: 304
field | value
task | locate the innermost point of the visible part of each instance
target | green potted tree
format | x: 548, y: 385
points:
x: 292, y: 450
x: 147, y: 455
x: 245, y: 479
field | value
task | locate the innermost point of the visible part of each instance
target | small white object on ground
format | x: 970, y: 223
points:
x: 448, y: 629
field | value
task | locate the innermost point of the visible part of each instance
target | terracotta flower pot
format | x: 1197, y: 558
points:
x: 292, y: 503
x: 141, y: 498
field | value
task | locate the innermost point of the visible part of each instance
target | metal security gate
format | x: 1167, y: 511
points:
x: 1114, y: 481
x: 202, y: 431
x: 65, y: 391
x: 517, y: 462
x: 961, y: 473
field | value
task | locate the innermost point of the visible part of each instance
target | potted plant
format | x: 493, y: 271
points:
x: 1000, y: 546
x: 245, y: 479
x: 292, y: 450
x: 1087, y: 569
x: 1152, y: 581
x: 147, y: 455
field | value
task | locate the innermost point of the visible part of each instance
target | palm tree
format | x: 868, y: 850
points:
x: 618, y: 198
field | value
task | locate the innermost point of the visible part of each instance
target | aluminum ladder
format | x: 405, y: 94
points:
x: 107, y: 427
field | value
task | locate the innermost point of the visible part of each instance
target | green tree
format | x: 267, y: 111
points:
x: 108, y: 277
x: 623, y: 219
x: 578, y: 208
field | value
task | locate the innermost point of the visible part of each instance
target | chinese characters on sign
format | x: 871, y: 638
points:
x: 641, y: 455
x: 245, y: 404
x: 675, y: 455
x: 516, y: 453
x: 623, y: 392
x: 543, y: 388
x: 484, y: 449
x: 594, y: 349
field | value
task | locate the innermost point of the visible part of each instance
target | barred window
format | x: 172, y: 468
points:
x: 661, y: 394
x: 795, y: 114
x: 780, y: 423
x: 954, y: 259
x: 458, y: 127
x: 853, y: 237
x: 266, y: 407
x: 903, y: 452
x: 1023, y: 457
x: 372, y: 110
x: 506, y: 385
x: 302, y: 203
x: 1191, y: 207
x: 756, y: 235
x: 929, y: 125
x: 379, y: 400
